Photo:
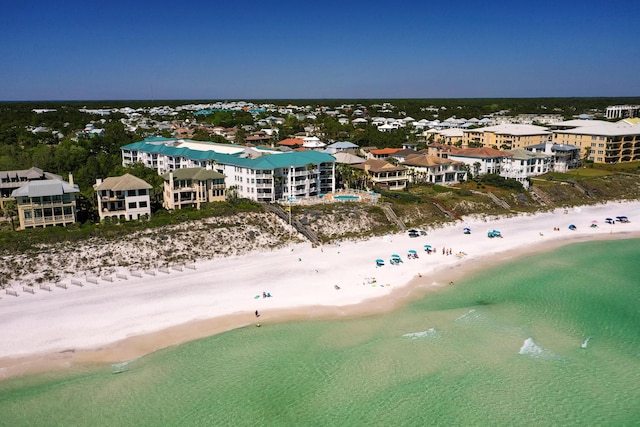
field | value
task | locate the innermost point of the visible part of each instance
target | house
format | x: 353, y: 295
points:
x: 434, y: 170
x: 481, y: 161
x: 523, y: 164
x: 382, y: 153
x: 340, y: 146
x: 123, y: 197
x: 384, y: 174
x: 12, y: 180
x: 44, y: 203
x: 563, y: 157
x: 190, y: 187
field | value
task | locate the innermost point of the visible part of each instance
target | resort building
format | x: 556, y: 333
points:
x: 523, y: 164
x: 600, y: 141
x: 384, y: 174
x: 260, y: 174
x: 382, y: 153
x: 434, y: 170
x: 123, y: 197
x: 190, y: 187
x: 563, y: 157
x: 44, y: 203
x: 480, y: 161
x: 505, y: 136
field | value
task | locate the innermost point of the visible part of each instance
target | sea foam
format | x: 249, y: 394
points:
x: 530, y: 348
x: 430, y: 333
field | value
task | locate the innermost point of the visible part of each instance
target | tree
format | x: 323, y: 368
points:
x: 10, y: 210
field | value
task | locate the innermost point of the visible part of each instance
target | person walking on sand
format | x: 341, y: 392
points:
x: 257, y: 314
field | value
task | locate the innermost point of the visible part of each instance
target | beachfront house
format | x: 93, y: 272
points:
x: 190, y: 187
x: 480, y: 161
x: 434, y: 170
x: 44, y: 203
x: 125, y: 197
x: 524, y: 164
x: 384, y: 174
x: 564, y: 157
x: 256, y: 173
x: 12, y: 180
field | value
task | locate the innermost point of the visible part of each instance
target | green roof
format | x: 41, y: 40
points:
x: 197, y: 174
x: 266, y: 161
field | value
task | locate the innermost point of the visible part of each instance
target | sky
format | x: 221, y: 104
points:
x: 232, y: 50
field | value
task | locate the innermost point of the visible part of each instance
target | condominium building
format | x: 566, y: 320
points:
x: 260, y: 174
x: 505, y: 136
x: 524, y: 164
x: 434, y: 170
x: 602, y: 142
x: 622, y: 111
x: 190, y: 187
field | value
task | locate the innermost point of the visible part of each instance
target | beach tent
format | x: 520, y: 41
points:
x: 622, y: 219
x: 609, y: 221
x: 379, y: 262
x: 466, y: 230
x: 572, y: 227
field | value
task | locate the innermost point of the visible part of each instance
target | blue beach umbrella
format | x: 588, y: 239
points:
x: 427, y: 246
x: 412, y: 251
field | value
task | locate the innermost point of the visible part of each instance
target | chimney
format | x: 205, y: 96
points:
x: 70, y: 179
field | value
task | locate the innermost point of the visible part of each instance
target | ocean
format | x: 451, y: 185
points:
x: 550, y: 339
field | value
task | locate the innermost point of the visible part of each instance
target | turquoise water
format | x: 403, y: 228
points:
x: 502, y: 348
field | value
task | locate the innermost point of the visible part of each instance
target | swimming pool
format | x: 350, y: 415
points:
x: 346, y: 197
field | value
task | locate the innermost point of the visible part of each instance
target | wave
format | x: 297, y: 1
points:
x: 119, y: 368
x: 430, y: 333
x: 531, y: 349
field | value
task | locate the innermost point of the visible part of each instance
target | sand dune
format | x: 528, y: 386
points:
x: 123, y: 316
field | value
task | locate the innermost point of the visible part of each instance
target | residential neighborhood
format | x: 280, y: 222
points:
x: 273, y: 153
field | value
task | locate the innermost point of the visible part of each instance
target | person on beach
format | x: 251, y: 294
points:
x: 257, y: 314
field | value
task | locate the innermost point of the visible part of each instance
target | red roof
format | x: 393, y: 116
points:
x: 385, y: 151
x: 291, y: 142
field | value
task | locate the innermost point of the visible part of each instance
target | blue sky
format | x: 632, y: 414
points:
x: 140, y: 49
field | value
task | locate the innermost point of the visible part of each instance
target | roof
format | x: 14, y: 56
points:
x: 196, y: 174
x: 291, y: 141
x: 604, y: 129
x: 50, y: 187
x: 347, y: 158
x: 428, y: 161
x: 342, y: 145
x: 375, y: 165
x: 522, y: 154
x: 29, y: 174
x: 480, y: 152
x: 380, y: 151
x: 123, y: 183
x: 513, y: 129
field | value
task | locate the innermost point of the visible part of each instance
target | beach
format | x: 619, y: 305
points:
x: 123, y: 316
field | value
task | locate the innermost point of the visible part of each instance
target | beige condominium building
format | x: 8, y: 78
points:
x: 189, y: 187
x: 505, y: 136
x: 600, y: 141
x: 45, y: 203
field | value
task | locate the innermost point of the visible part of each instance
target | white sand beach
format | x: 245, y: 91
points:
x: 123, y: 316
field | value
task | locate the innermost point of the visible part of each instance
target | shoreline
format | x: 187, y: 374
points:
x: 300, y: 278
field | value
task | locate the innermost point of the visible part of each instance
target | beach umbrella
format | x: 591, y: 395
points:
x: 395, y: 256
x: 427, y: 246
x: 411, y: 251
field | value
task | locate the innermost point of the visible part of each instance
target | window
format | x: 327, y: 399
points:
x: 143, y: 204
x: 132, y: 205
x: 131, y: 193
